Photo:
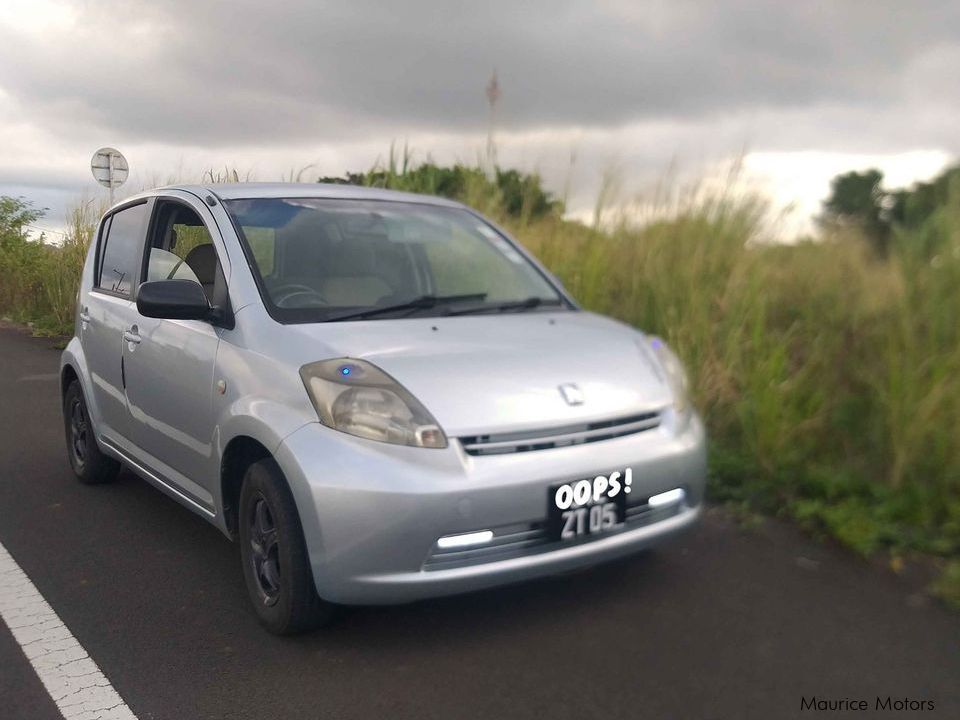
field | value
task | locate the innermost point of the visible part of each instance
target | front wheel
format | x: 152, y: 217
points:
x: 276, y: 565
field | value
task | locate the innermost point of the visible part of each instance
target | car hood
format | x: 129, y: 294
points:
x: 501, y: 373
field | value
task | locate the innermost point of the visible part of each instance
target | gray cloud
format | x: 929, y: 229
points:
x: 249, y: 72
x: 182, y: 86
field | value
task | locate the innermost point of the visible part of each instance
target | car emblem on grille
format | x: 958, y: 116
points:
x: 571, y: 393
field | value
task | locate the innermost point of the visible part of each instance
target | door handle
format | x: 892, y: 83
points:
x: 132, y: 335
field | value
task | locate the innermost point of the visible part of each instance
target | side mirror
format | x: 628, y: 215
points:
x: 173, y: 300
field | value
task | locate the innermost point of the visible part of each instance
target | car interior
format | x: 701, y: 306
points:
x: 310, y: 256
x: 318, y: 261
x: 181, y: 248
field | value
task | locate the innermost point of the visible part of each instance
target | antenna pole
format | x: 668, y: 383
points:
x: 493, y: 94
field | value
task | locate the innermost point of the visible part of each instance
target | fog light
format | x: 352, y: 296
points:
x: 666, y: 498
x: 465, y: 540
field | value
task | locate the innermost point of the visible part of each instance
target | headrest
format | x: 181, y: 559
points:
x: 202, y: 259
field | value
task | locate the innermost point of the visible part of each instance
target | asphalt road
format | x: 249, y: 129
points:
x: 725, y: 623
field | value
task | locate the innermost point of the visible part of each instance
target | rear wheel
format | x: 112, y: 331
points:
x: 89, y: 464
x: 276, y: 566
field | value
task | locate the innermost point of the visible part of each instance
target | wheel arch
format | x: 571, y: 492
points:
x: 67, y: 375
x: 238, y: 455
x: 247, y: 430
x: 73, y: 367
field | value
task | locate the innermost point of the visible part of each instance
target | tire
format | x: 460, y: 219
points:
x: 276, y: 566
x: 90, y: 465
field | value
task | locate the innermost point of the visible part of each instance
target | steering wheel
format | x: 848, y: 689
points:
x: 284, y: 293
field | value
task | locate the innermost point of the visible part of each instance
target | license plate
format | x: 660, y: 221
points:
x: 590, y: 506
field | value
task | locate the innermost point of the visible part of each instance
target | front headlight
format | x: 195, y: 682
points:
x: 358, y: 398
x: 676, y: 378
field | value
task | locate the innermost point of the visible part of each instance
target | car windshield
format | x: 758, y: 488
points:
x: 326, y: 260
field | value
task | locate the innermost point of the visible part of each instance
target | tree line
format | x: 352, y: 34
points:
x: 923, y: 213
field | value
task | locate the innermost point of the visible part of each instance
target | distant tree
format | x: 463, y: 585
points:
x: 523, y: 195
x: 925, y: 216
x: 913, y: 207
x: 919, y: 219
x: 520, y: 195
x: 346, y: 179
x: 15, y: 215
x: 858, y: 199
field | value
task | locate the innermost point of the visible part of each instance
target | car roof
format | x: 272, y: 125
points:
x: 245, y: 191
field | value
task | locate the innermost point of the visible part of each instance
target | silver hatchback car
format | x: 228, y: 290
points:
x: 381, y: 395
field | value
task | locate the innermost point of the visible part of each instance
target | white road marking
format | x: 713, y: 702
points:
x: 42, y: 378
x: 70, y: 676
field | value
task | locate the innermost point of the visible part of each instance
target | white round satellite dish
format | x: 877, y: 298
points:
x: 109, y: 167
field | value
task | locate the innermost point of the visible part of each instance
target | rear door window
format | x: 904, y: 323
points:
x: 120, y: 255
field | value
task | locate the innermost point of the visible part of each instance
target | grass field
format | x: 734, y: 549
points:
x: 829, y: 380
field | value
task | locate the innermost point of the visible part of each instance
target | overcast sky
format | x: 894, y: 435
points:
x: 804, y: 89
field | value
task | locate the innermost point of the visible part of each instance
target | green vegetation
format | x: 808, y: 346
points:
x: 917, y: 219
x: 39, y: 280
x: 519, y: 196
x: 858, y: 199
x: 828, y: 373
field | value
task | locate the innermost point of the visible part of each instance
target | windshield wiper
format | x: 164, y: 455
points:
x: 424, y: 302
x: 526, y: 304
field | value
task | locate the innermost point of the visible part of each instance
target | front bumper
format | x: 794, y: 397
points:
x: 372, y: 512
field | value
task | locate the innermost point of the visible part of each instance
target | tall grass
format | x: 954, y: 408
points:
x: 40, y: 279
x: 829, y: 379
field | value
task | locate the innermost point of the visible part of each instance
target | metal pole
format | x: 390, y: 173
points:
x: 110, y: 175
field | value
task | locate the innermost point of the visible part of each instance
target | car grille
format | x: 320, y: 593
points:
x: 522, y: 539
x: 499, y: 444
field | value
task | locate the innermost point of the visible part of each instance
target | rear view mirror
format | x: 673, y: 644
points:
x: 173, y: 300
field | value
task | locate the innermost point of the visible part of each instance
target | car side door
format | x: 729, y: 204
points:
x: 107, y: 310
x: 169, y: 364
